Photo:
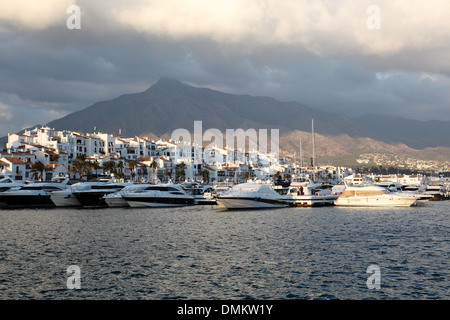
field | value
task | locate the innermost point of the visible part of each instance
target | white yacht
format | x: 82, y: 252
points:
x: 94, y: 196
x: 373, y: 196
x: 306, y: 193
x: 161, y: 195
x: 66, y: 198
x: 203, y: 194
x: 8, y: 183
x: 115, y: 200
x: 33, y: 195
x: 436, y: 191
x: 252, y: 196
x: 419, y: 193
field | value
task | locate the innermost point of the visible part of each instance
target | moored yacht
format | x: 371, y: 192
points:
x: 309, y: 194
x: 66, y: 198
x: 251, y: 196
x: 7, y: 183
x: 202, y: 194
x: 436, y: 191
x: 161, y: 195
x: 33, y: 195
x: 419, y: 193
x: 373, y: 196
x: 94, y: 197
x: 115, y: 200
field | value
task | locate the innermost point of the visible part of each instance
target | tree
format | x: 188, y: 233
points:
x: 246, y: 176
x: 37, y: 170
x: 179, y: 171
x: 205, y: 176
x: 80, y: 166
x: 109, y: 166
x: 154, y: 166
x: 54, y: 157
x: 96, y: 166
x: 132, y: 166
x: 144, y: 169
x: 120, y: 166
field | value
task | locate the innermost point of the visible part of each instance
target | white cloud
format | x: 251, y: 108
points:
x: 5, y: 112
x: 324, y: 27
x: 34, y: 14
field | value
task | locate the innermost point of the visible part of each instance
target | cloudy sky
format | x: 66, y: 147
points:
x: 348, y: 56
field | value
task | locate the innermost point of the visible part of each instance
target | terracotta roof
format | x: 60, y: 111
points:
x: 13, y: 160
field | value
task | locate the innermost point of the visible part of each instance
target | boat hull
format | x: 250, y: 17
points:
x: 116, y: 202
x: 158, y: 202
x: 375, y: 202
x: 26, y: 201
x: 64, y: 199
x: 312, y: 201
x: 250, y: 203
x: 92, y: 199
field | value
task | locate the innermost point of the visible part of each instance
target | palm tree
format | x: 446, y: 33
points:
x: 205, y: 176
x: 38, y: 169
x: 54, y: 157
x: 109, y: 166
x: 154, y: 166
x: 96, y: 166
x: 120, y: 166
x: 80, y: 166
x: 132, y: 166
x: 181, y: 166
x: 144, y: 169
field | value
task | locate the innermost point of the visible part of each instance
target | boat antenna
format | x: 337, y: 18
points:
x: 301, y: 156
x: 313, y: 147
x: 313, y: 150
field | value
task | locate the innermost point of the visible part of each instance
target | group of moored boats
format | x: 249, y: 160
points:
x: 99, y: 194
x: 251, y: 195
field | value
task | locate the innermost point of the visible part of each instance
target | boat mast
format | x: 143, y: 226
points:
x: 301, y: 156
x: 313, y: 150
x: 313, y: 145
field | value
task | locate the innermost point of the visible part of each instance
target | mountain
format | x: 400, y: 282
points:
x: 415, y: 133
x: 170, y: 104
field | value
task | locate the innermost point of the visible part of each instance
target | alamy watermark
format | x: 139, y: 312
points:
x: 374, y: 280
x: 246, y: 140
x: 373, y: 22
x: 74, y: 279
x: 74, y: 20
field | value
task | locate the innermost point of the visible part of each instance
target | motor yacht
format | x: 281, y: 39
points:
x: 161, y: 195
x: 33, y: 195
x: 115, y: 200
x: 203, y: 194
x: 7, y: 183
x: 66, y: 198
x: 419, y: 193
x: 373, y: 196
x: 94, y: 196
x: 309, y: 194
x: 251, y: 196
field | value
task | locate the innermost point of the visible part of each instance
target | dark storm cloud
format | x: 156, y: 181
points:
x: 322, y: 55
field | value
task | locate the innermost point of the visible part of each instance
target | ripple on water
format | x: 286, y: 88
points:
x: 203, y: 253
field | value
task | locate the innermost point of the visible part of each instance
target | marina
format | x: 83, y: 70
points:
x: 300, y: 192
x: 217, y: 153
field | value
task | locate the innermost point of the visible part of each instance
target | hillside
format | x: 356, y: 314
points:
x: 171, y: 104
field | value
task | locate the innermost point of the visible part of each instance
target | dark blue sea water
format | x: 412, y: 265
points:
x: 202, y: 252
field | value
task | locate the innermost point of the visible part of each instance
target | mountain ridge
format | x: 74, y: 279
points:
x: 170, y: 104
